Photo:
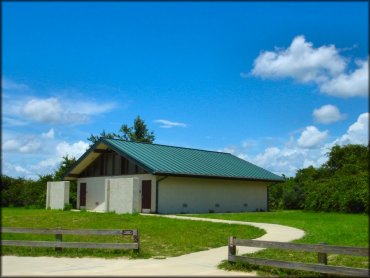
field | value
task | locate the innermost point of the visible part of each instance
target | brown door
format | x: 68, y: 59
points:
x: 82, y: 194
x: 146, y: 194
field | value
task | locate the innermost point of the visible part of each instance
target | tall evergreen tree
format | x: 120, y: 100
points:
x: 136, y: 133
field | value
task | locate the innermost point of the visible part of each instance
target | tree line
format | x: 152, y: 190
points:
x: 339, y: 185
x: 22, y: 192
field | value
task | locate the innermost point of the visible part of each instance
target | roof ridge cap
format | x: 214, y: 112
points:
x: 145, y: 143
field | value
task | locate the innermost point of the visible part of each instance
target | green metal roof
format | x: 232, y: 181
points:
x: 170, y: 160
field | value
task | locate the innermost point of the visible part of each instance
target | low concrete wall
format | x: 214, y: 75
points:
x: 201, y: 195
x: 96, y: 190
x: 57, y: 194
x: 122, y: 195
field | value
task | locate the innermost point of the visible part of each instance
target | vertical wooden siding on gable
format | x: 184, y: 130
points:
x: 111, y: 164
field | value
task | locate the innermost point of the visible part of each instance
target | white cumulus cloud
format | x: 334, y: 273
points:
x: 285, y: 160
x: 327, y: 114
x: 294, y: 154
x: 300, y: 61
x: 64, y: 148
x: 323, y: 66
x: 311, y: 137
x: 75, y: 149
x: 349, y: 84
x: 357, y: 133
x: 288, y: 159
x: 169, y: 124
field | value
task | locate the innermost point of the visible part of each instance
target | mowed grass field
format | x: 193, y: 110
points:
x: 332, y: 228
x: 158, y: 236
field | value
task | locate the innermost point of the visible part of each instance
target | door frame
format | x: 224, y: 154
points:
x: 147, y: 184
x: 82, y: 185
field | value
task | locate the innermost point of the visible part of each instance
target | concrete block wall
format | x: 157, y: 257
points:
x: 96, y: 191
x: 57, y: 194
x: 122, y: 195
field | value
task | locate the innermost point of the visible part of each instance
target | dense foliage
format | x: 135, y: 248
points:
x: 21, y: 192
x: 136, y: 133
x: 341, y: 184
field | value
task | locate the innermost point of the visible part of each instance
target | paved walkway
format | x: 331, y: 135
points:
x: 194, y: 264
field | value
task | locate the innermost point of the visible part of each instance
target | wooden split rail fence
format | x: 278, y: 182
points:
x: 58, y: 244
x: 322, y: 249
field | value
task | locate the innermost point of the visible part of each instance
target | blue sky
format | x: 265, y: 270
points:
x: 276, y: 84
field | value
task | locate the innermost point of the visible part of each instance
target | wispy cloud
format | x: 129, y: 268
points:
x: 170, y: 124
x: 23, y: 108
x: 22, y: 145
x: 8, y: 84
x: 48, y: 135
x: 90, y: 107
x: 323, y: 66
x: 8, y: 121
x: 50, y: 111
x: 17, y: 170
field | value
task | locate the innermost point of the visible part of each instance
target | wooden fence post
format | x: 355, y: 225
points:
x: 232, y: 246
x: 322, y: 258
x: 136, y: 239
x: 58, y: 238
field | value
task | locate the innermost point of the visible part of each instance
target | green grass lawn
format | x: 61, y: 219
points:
x: 158, y: 236
x: 331, y: 228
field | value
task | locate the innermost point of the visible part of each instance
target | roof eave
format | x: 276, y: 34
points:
x: 215, y: 177
x: 80, y: 159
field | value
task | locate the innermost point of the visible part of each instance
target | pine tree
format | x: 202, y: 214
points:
x: 136, y: 133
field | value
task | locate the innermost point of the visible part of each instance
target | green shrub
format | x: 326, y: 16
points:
x: 339, y: 185
x: 67, y: 207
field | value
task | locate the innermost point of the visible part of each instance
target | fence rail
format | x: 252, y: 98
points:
x: 322, y: 249
x: 66, y: 232
x: 58, y: 244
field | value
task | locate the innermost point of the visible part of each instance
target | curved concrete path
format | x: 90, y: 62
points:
x: 194, y: 264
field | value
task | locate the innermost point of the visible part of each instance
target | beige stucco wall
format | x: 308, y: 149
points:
x: 198, y: 195
x: 57, y: 194
x: 95, y: 190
